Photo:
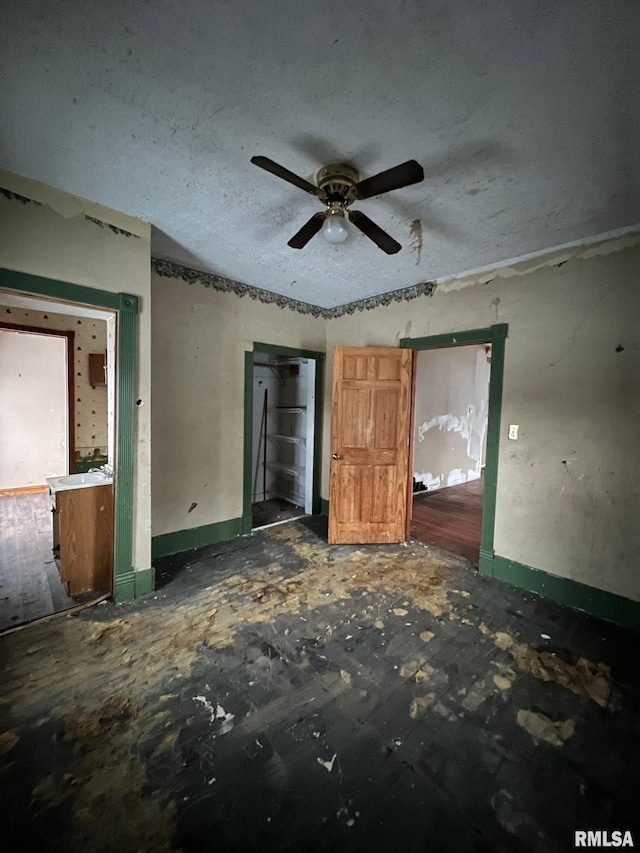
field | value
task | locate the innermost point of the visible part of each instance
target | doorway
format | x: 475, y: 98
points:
x: 49, y: 396
x: 471, y: 509
x: 450, y: 432
x: 282, y: 417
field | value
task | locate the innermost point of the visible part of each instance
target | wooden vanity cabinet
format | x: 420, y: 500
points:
x: 83, y: 529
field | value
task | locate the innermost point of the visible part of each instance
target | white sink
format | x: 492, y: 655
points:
x: 82, y: 479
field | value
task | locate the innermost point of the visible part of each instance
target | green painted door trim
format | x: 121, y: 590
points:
x: 316, y: 501
x: 247, y: 485
x: 247, y: 489
x: 597, y: 602
x: 196, y: 537
x: 126, y: 307
x: 132, y: 584
x: 290, y: 352
x: 496, y: 336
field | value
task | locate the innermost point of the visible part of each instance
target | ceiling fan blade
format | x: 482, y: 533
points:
x: 285, y: 174
x: 407, y: 173
x: 308, y: 230
x: 382, y: 240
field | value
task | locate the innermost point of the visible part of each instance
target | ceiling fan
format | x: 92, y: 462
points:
x: 338, y: 185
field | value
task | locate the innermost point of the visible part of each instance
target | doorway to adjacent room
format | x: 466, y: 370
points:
x: 57, y: 419
x: 450, y: 445
x: 455, y: 439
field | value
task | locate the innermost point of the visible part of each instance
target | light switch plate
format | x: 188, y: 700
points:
x: 513, y: 431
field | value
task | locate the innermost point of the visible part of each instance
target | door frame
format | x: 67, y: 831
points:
x: 70, y: 356
x: 495, y: 335
x: 125, y: 307
x: 247, y: 477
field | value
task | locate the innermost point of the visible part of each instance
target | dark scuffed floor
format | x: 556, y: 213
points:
x: 278, y: 693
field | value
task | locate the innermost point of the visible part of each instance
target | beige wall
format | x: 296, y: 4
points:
x: 199, y: 340
x: 33, y: 409
x: 451, y: 405
x: 54, y: 239
x: 568, y: 493
x: 90, y: 404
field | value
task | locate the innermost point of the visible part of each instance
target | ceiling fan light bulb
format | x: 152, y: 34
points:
x: 334, y: 228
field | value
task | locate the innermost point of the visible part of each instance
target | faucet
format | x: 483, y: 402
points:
x: 105, y: 470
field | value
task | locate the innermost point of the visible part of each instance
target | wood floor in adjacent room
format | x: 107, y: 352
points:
x: 279, y: 693
x: 450, y: 518
x: 30, y: 585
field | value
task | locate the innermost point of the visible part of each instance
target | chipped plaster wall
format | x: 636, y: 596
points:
x: 60, y: 236
x: 90, y: 404
x: 568, y: 490
x: 452, y: 393
x: 200, y: 336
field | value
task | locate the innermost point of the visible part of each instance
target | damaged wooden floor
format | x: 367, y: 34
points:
x: 30, y: 585
x: 278, y: 693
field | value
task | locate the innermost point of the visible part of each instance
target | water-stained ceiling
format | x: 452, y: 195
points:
x: 523, y: 115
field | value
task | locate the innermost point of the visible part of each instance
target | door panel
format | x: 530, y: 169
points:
x: 371, y: 407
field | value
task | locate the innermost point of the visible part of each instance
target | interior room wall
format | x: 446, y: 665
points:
x: 90, y: 404
x: 568, y: 488
x: 50, y: 233
x: 200, y: 336
x: 33, y: 409
x: 451, y: 405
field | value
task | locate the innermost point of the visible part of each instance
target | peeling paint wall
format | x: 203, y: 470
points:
x: 200, y: 336
x: 452, y: 394
x: 63, y: 237
x: 90, y: 404
x: 568, y: 492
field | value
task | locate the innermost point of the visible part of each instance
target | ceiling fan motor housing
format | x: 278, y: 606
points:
x: 337, y: 184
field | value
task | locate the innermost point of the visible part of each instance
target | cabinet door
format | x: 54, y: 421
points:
x: 86, y: 538
x: 97, y: 369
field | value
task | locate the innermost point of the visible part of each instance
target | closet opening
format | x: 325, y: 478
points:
x: 284, y: 416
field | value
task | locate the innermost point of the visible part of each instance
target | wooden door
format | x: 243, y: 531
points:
x: 370, y: 423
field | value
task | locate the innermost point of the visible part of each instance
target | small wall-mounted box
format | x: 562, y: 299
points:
x: 97, y: 369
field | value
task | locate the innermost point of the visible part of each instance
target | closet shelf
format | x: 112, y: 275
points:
x: 292, y: 470
x: 294, y: 439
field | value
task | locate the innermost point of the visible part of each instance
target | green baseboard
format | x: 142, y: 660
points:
x: 324, y: 506
x: 132, y: 584
x: 597, y: 602
x: 197, y: 537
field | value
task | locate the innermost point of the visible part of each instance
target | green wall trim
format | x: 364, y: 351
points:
x: 132, y: 584
x: 324, y: 506
x: 126, y: 395
x: 126, y: 306
x: 66, y: 291
x: 317, y: 434
x: 597, y: 602
x: 496, y: 336
x: 452, y: 339
x: 195, y: 537
x: 145, y: 581
x: 247, y: 460
x: 292, y: 352
x: 126, y: 587
x: 247, y: 472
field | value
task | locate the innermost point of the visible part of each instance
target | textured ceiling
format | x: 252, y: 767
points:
x: 523, y: 115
